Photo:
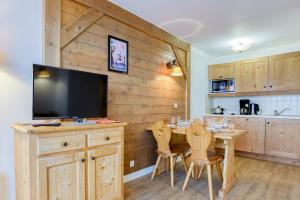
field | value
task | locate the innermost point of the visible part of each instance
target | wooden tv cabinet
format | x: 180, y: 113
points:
x: 69, y: 162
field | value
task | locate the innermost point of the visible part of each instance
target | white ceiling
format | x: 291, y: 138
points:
x: 213, y: 26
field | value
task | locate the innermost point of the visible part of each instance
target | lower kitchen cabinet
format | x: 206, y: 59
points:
x: 104, y: 175
x: 254, y: 140
x: 283, y: 138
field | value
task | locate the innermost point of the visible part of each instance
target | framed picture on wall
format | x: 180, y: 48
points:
x: 117, y: 55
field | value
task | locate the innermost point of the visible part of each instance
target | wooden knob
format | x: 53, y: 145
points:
x: 247, y: 119
x: 83, y: 160
x: 107, y: 138
x: 220, y: 76
x: 93, y: 158
x: 271, y: 86
x: 65, y: 144
x: 268, y: 123
x: 265, y: 86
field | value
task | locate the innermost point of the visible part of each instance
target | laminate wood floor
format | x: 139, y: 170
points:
x: 257, y: 180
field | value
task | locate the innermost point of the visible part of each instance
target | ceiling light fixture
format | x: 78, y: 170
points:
x: 241, y: 46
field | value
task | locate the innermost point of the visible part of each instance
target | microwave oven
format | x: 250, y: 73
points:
x: 222, y: 86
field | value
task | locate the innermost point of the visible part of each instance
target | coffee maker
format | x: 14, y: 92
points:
x: 245, y: 107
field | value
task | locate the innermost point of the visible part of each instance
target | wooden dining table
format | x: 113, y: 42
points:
x: 225, y: 137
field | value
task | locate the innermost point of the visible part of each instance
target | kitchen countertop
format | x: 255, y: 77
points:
x: 259, y: 116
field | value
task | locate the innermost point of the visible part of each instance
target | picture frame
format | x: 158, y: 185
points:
x: 117, y: 55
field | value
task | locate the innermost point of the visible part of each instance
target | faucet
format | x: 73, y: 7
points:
x: 276, y: 113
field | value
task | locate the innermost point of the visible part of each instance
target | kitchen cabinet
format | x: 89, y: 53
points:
x: 284, y: 72
x: 252, y: 75
x: 221, y: 71
x: 252, y: 141
x: 283, y: 138
x: 69, y: 162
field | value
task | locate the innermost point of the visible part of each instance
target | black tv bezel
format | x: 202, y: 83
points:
x: 66, y: 117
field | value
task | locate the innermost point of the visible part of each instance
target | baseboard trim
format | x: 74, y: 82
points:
x: 138, y: 174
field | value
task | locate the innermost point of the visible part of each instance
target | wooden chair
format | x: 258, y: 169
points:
x: 200, y: 140
x: 162, y: 134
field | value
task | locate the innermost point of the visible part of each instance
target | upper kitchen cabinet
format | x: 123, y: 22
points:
x: 252, y: 75
x: 284, y: 72
x: 221, y: 71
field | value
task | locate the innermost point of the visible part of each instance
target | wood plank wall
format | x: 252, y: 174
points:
x: 143, y: 96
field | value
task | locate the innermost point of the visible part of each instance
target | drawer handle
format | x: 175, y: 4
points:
x: 93, y: 158
x: 65, y: 144
x: 271, y: 86
x: 107, y: 138
x: 82, y: 160
x: 268, y: 122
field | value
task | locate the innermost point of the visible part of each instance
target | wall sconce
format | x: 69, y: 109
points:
x: 43, y: 73
x: 176, y: 70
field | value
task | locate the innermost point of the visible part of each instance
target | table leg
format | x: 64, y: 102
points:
x: 229, y: 178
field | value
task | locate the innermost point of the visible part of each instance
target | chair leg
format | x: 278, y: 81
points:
x: 156, y: 165
x: 218, y: 164
x: 175, y: 160
x: 211, y: 197
x: 172, y: 170
x: 191, y: 169
x: 200, y: 171
x: 168, y: 164
x: 184, y: 163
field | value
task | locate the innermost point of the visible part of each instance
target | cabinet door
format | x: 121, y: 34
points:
x: 283, y: 137
x: 105, y: 173
x: 244, y: 141
x: 62, y: 177
x: 284, y: 72
x: 221, y: 71
x: 252, y: 75
x: 257, y: 129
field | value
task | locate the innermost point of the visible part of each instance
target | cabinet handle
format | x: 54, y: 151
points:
x: 82, y: 160
x: 65, y: 144
x: 107, y: 138
x: 268, y: 122
x: 255, y: 86
x: 220, y: 76
x: 271, y: 86
x: 265, y: 86
x: 247, y: 119
x: 93, y: 158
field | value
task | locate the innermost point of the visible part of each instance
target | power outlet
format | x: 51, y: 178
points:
x: 131, y: 163
x: 175, y: 105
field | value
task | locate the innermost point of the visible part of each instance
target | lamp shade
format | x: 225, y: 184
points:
x: 176, y: 71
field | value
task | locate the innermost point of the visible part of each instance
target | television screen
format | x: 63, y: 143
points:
x: 64, y: 93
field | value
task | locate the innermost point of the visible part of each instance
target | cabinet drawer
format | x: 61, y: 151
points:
x: 60, y: 143
x: 101, y: 137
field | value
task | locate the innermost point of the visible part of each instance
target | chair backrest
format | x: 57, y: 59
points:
x: 199, y: 139
x: 162, y: 134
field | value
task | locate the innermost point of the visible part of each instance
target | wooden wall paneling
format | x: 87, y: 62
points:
x: 132, y: 20
x: 147, y: 93
x: 52, y: 22
x: 73, y: 29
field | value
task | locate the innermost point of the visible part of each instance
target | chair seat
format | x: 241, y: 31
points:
x: 180, y: 148
x: 212, y: 158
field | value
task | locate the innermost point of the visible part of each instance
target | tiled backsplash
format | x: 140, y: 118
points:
x: 266, y: 103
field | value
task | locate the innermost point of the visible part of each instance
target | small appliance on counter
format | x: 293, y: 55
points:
x: 245, y: 107
x: 218, y: 111
x: 254, y: 108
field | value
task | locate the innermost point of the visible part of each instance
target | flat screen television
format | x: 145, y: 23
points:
x: 63, y: 93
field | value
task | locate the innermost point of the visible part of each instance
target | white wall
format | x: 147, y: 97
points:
x: 20, y: 47
x: 199, y: 83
